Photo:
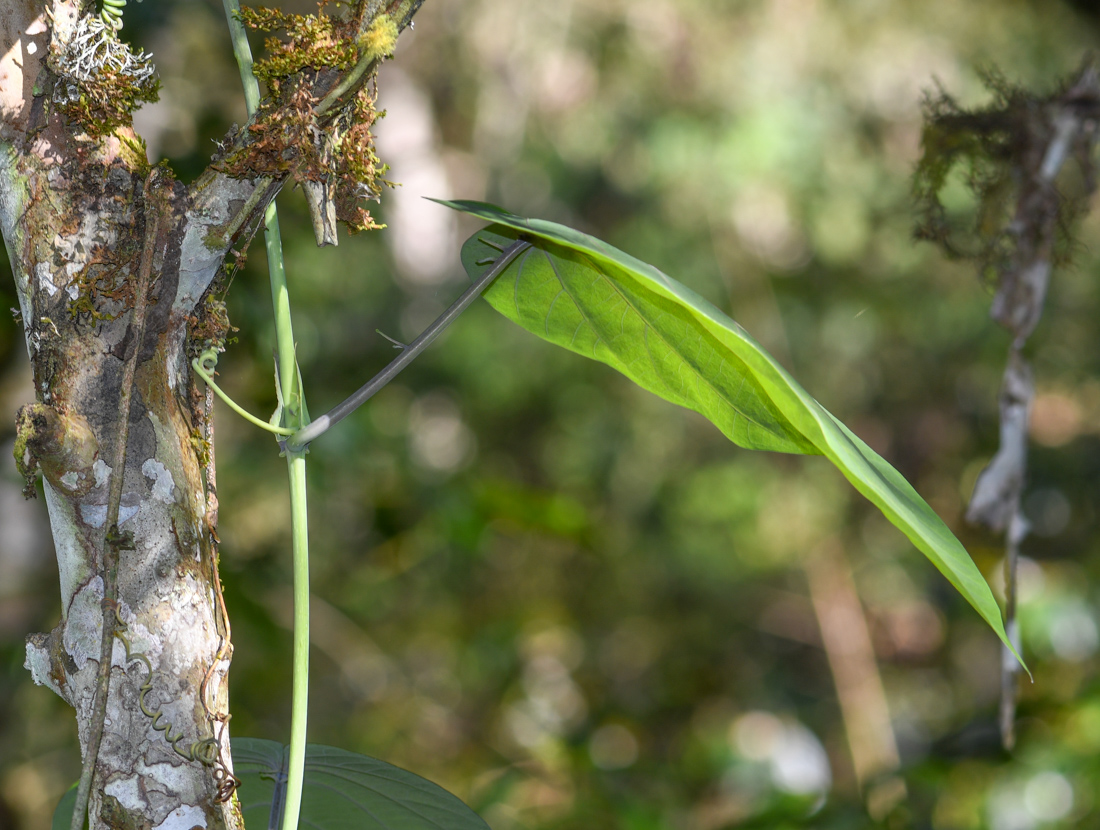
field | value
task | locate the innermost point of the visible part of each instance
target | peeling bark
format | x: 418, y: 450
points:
x: 79, y: 211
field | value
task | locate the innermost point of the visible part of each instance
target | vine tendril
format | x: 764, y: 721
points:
x: 110, y: 12
x: 207, y: 751
x: 204, y: 367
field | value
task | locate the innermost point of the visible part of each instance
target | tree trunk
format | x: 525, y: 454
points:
x: 114, y: 262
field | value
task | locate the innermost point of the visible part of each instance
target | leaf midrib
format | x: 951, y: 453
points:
x: 592, y: 263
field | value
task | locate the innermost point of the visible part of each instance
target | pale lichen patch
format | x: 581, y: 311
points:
x: 45, y: 278
x: 185, y: 817
x: 126, y: 790
x: 198, y: 263
x: 38, y: 662
x: 94, y: 515
x: 163, y: 486
x: 174, y: 777
x: 102, y: 472
x: 72, y: 561
x: 84, y: 623
x: 143, y: 641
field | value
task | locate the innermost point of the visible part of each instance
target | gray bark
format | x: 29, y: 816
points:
x: 113, y: 262
x: 78, y: 213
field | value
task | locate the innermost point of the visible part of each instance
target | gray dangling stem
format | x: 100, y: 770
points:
x: 299, y: 440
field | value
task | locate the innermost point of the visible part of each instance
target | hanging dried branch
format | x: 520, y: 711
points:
x: 1015, y: 154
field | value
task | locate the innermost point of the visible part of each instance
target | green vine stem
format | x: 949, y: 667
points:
x: 296, y: 464
x: 294, y: 417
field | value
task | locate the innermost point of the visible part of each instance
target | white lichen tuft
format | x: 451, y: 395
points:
x: 94, y: 46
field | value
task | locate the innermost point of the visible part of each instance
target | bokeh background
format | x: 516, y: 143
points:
x: 572, y: 604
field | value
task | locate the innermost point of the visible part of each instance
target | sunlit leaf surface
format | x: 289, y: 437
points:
x: 582, y: 294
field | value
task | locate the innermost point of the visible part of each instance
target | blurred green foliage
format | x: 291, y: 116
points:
x: 566, y: 601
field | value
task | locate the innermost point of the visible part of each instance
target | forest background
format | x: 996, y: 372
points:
x: 570, y: 603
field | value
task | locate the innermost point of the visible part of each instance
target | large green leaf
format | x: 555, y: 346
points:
x: 582, y: 294
x: 63, y: 812
x: 343, y: 791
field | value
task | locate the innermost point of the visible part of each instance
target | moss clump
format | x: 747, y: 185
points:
x: 132, y: 150
x: 321, y: 56
x: 380, y: 38
x: 103, y: 105
x: 26, y: 463
x: 1000, y: 150
x: 201, y: 447
x: 214, y: 239
x: 357, y: 166
x: 317, y: 42
x: 90, y: 305
x: 208, y: 327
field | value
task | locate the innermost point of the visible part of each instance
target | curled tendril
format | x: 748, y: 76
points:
x: 207, y: 751
x: 110, y: 12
